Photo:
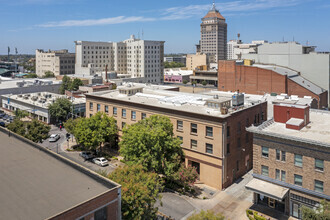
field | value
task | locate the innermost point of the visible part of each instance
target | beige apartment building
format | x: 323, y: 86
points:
x: 131, y: 58
x: 59, y: 62
x: 212, y: 130
x: 195, y: 60
x: 291, y: 159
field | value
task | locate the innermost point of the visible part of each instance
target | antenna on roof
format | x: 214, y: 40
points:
x: 213, y: 5
x: 293, y: 38
x: 283, y: 39
x: 142, y: 34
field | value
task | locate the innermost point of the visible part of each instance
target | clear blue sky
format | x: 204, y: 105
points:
x: 55, y: 24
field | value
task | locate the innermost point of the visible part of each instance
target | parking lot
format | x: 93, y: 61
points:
x: 6, y: 118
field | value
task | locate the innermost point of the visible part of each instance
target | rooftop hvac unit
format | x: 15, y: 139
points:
x: 238, y: 99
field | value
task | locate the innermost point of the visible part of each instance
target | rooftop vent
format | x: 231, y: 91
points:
x: 238, y: 99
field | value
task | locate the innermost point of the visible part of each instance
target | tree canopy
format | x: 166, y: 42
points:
x: 35, y: 130
x: 173, y: 64
x: 92, y: 132
x: 60, y: 109
x: 69, y: 84
x: 48, y: 74
x: 140, y: 191
x: 151, y: 142
x: 320, y: 213
x: 20, y: 113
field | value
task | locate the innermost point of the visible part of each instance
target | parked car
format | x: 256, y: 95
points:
x: 54, y: 137
x: 86, y: 155
x: 5, y: 117
x: 2, y: 115
x: 2, y: 124
x: 101, y: 161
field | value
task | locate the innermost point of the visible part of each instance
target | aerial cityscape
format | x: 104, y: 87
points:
x: 172, y: 110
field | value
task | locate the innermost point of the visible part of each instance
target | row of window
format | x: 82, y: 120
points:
x: 298, y: 159
x: 193, y: 145
x: 298, y: 179
x: 193, y: 128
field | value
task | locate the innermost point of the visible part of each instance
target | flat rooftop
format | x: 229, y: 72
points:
x: 36, y: 185
x: 186, y: 102
x: 42, y: 99
x: 7, y: 83
x: 317, y: 131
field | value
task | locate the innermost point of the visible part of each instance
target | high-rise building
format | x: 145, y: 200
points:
x: 214, y: 35
x: 59, y: 62
x: 132, y: 58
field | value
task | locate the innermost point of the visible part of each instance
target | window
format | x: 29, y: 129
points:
x: 298, y: 160
x: 238, y: 142
x: 264, y: 170
x: 209, y: 131
x: 209, y: 148
x: 115, y: 111
x: 193, y: 128
x: 133, y: 115
x: 98, y: 107
x: 237, y: 165
x: 298, y: 180
x: 91, y: 106
x: 238, y: 127
x: 143, y: 115
x: 318, y: 186
x: 283, y: 175
x: 181, y: 139
x: 264, y: 152
x: 179, y: 125
x: 123, y: 113
x: 319, y: 164
x: 283, y: 156
x: 101, y: 214
x: 106, y: 109
x: 247, y: 138
x: 228, y: 131
x: 278, y: 154
x: 228, y: 148
x: 193, y: 144
x: 277, y: 174
x: 123, y: 125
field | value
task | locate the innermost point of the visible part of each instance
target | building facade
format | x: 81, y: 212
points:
x: 177, y: 75
x: 214, y: 141
x: 261, y: 79
x: 132, y: 58
x: 59, y: 62
x: 195, y: 60
x: 291, y: 159
x: 236, y: 48
x: 214, y: 36
x: 181, y: 59
x: 314, y: 66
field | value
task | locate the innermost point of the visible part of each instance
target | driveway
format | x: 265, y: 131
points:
x: 53, y: 145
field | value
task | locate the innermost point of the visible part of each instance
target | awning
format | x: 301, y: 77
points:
x: 268, y: 189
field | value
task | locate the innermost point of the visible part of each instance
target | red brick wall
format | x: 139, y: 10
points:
x: 283, y: 113
x: 254, y: 80
x: 93, y: 205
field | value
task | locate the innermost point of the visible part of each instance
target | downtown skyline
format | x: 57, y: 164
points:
x: 50, y: 24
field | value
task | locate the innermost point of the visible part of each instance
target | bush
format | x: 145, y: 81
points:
x: 249, y: 212
x: 185, y: 176
x: 185, y: 81
x: 258, y: 217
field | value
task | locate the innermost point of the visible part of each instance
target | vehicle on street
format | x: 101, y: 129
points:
x: 86, y: 155
x: 5, y: 117
x: 2, y: 124
x: 54, y: 137
x: 2, y: 115
x: 101, y: 161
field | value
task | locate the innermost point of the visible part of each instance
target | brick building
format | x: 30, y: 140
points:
x: 260, y: 79
x: 37, y: 183
x: 214, y: 141
x: 291, y: 159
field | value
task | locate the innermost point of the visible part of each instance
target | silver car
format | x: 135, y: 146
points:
x: 101, y: 161
x: 54, y: 137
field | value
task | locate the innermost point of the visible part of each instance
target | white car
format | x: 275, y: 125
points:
x: 54, y: 137
x: 101, y: 161
x: 86, y: 155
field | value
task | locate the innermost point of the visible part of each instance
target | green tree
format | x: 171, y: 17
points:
x: 204, y: 83
x: 20, y: 113
x: 140, y: 191
x: 151, y: 142
x: 94, y: 131
x: 173, y: 64
x: 71, y: 124
x: 48, y: 74
x: 60, y: 109
x: 207, y: 215
x: 18, y: 127
x: 66, y: 84
x: 193, y: 83
x: 37, y: 131
x: 320, y: 213
x: 185, y: 177
x: 185, y: 81
x: 75, y: 84
x: 31, y: 75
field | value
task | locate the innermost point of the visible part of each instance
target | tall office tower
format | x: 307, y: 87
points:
x: 214, y: 35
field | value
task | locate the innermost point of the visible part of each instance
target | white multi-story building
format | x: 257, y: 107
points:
x: 236, y: 48
x: 132, y: 58
x: 59, y: 62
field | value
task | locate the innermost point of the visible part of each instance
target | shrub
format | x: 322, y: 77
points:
x: 249, y: 212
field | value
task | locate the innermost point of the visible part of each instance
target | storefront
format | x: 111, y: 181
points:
x: 270, y: 195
